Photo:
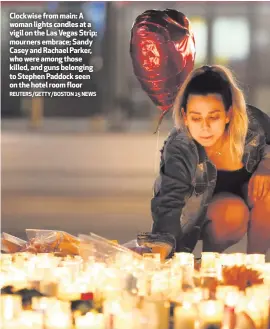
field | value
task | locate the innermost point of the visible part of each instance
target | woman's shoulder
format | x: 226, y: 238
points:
x: 259, y: 120
x: 179, y: 144
x: 256, y: 115
x: 180, y: 138
x: 255, y: 111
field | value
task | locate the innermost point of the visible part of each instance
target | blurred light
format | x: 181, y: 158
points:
x: 231, y: 38
x: 199, y: 28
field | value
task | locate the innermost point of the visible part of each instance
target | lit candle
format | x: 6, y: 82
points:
x: 151, y: 261
x: 255, y: 259
x: 112, y: 308
x: 63, y: 274
x: 230, y: 299
x: 211, y: 313
x: 11, y: 307
x: 160, y: 283
x: 3, y: 279
x: 223, y: 291
x: 74, y: 265
x: 17, y: 278
x: 259, y: 300
x: 251, y: 316
x: 159, y: 310
x: 31, y: 320
x: 184, y: 258
x: 58, y: 320
x: 90, y: 321
x: 233, y: 259
x: 185, y: 316
x: 43, y: 303
x: 210, y: 261
x: 211, y: 265
x: 175, y: 284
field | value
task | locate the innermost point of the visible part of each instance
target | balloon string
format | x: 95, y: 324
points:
x: 160, y: 119
x: 156, y: 160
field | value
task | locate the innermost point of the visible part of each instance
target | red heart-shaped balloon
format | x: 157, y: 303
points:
x: 162, y: 48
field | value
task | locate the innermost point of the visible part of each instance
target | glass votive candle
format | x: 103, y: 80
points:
x: 222, y: 291
x: 123, y: 259
x: 41, y: 273
x: 200, y: 294
x: 90, y: 321
x: 114, y: 282
x: 74, y: 265
x: 255, y: 261
x: 232, y: 297
x: 5, y: 260
x: 58, y: 320
x: 192, y: 296
x: 143, y: 284
x: 175, y: 283
x: 63, y: 274
x: 160, y: 283
x: 21, y: 257
x: 210, y: 313
x: 259, y: 290
x: 210, y: 260
x: 11, y: 307
x: 49, y: 288
x: 43, y: 303
x: 266, y: 273
x: 49, y: 261
x: 233, y: 259
x: 31, y: 320
x: 261, y: 299
x: 59, y: 306
x: 68, y: 292
x: 151, y: 261
x: 184, y: 258
x: 3, y: 279
x: 253, y: 308
x: 210, y: 264
x: 159, y: 309
x: 185, y: 316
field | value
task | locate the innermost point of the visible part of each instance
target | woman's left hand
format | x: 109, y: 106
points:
x: 259, y: 186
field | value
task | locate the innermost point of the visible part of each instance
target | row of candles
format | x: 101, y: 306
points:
x: 134, y: 293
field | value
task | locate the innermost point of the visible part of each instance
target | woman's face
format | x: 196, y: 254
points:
x: 206, y: 118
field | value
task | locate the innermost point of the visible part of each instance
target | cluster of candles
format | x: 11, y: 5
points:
x: 131, y: 292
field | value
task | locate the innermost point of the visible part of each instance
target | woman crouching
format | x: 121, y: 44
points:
x: 214, y: 181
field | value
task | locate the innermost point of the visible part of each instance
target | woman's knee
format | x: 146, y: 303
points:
x: 229, y: 215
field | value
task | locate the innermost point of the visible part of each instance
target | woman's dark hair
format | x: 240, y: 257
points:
x: 208, y: 82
